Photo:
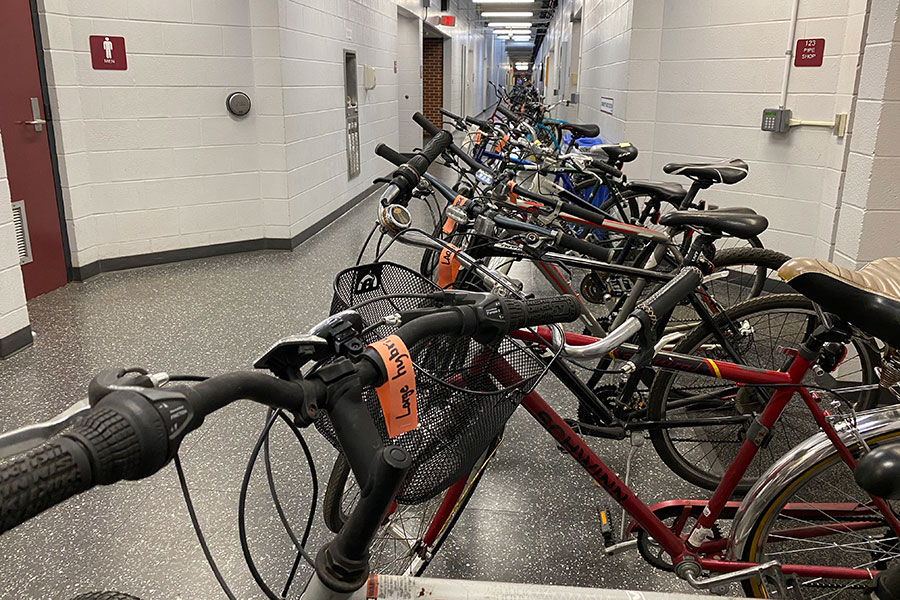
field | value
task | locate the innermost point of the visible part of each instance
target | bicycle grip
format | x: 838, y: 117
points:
x: 425, y: 124
x: 450, y: 115
x: 674, y: 291
x: 41, y: 478
x: 390, y: 155
x: 508, y: 113
x: 540, y: 311
x: 483, y: 125
x: 104, y: 448
x: 432, y: 150
x: 570, y: 242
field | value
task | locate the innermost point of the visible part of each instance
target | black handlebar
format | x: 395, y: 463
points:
x: 391, y: 155
x: 408, y: 173
x: 485, y: 126
x: 430, y: 127
x: 131, y: 433
x: 510, y: 115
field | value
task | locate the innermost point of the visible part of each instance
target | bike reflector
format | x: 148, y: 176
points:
x: 448, y: 267
x: 397, y: 395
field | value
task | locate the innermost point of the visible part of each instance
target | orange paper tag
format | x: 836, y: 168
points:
x: 502, y: 143
x: 477, y: 138
x: 513, y: 197
x: 397, y: 395
x: 450, y: 224
x: 448, y: 267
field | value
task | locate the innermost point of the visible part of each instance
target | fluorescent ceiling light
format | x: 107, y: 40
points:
x: 522, y: 13
x: 512, y: 32
x: 521, y: 68
x: 521, y: 38
x: 503, y: 1
x: 512, y: 24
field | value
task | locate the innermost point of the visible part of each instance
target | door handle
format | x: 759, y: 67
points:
x: 36, y: 121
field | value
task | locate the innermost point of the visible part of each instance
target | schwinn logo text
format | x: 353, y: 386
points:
x: 574, y: 447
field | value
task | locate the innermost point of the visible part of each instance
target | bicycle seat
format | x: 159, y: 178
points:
x: 622, y: 153
x: 726, y: 172
x: 869, y: 298
x: 585, y: 130
x: 669, y: 191
x: 878, y: 472
x: 739, y: 224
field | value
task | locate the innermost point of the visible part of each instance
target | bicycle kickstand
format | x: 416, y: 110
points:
x: 610, y: 546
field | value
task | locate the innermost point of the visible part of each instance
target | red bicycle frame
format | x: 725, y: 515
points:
x: 790, y: 382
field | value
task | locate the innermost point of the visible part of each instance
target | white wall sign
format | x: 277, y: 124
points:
x: 606, y: 105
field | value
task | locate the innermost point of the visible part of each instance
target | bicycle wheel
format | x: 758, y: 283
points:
x: 742, y: 273
x: 763, y: 326
x: 400, y: 547
x: 869, y: 544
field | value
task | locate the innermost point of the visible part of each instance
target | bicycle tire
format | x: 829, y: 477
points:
x: 821, y: 483
x: 706, y: 467
x: 763, y: 259
x: 414, y: 561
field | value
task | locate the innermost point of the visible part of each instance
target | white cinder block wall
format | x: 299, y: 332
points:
x: 151, y: 161
x: 13, y: 312
x: 690, y: 79
x: 869, y: 213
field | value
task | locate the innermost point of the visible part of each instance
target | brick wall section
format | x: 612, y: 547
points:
x: 433, y: 78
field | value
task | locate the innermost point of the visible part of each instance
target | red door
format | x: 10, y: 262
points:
x: 27, y: 151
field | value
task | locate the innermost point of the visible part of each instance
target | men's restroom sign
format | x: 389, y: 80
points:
x: 809, y: 52
x: 108, y: 52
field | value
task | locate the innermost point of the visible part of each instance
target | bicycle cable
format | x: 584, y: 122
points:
x: 200, y: 537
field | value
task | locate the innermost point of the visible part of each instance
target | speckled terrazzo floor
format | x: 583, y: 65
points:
x: 534, y: 518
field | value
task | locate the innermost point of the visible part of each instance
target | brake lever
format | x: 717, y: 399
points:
x: 25, y: 438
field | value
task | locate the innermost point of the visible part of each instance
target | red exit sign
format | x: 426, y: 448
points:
x: 448, y: 20
x: 809, y: 52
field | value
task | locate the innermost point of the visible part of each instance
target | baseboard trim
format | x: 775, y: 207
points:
x: 134, y: 261
x: 16, y: 341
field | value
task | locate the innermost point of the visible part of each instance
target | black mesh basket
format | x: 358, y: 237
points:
x: 466, y: 391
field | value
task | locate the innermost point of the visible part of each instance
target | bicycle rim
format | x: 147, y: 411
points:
x: 802, y: 504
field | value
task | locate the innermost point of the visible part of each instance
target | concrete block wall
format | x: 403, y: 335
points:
x: 720, y: 65
x: 13, y: 312
x: 869, y: 212
x: 151, y: 161
x: 690, y: 79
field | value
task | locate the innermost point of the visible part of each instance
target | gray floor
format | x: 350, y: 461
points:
x: 534, y: 519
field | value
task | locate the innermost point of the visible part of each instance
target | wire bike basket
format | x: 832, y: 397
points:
x: 466, y: 391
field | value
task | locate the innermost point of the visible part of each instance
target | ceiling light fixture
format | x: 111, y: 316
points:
x: 512, y: 32
x: 510, y: 24
x: 503, y: 1
x: 521, y: 38
x: 523, y: 13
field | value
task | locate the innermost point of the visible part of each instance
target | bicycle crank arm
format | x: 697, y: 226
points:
x: 620, y: 547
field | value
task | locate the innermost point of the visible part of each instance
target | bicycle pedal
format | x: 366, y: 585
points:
x: 606, y: 529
